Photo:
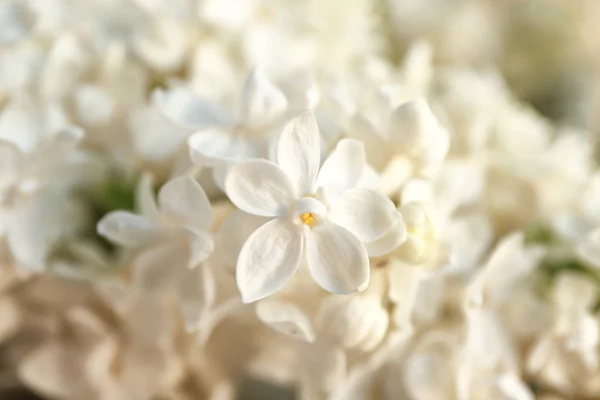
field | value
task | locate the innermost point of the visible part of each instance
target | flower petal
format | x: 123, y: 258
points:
x: 414, y: 129
x: 344, y: 167
x: 127, y: 229
x: 262, y: 101
x: 299, y: 151
x: 200, y: 246
x: 388, y: 242
x: 346, y: 320
x: 232, y: 235
x: 184, y: 107
x: 366, y: 213
x: 269, y: 259
x: 157, y: 267
x: 377, y: 149
x: 259, y: 187
x: 184, y: 200
x: 144, y: 198
x: 337, y: 261
x: 194, y: 289
x: 214, y: 147
x: 287, y: 318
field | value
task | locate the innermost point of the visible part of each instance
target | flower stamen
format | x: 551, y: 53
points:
x: 308, y: 219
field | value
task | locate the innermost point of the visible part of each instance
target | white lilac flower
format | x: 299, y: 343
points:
x: 571, y: 342
x: 38, y: 223
x: 22, y: 173
x: 223, y: 138
x: 318, y: 214
x: 411, y: 142
x: 174, y: 238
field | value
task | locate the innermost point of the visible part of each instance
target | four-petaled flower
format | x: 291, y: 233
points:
x: 174, y: 238
x: 319, y: 215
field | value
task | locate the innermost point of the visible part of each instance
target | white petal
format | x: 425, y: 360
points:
x: 193, y: 288
x: 337, y: 261
x: 183, y: 199
x: 215, y: 146
x: 302, y: 91
x: 269, y: 259
x: 144, y: 198
x: 388, y: 242
x: 299, y: 152
x: 157, y: 267
x: 366, y: 213
x: 154, y: 136
x: 376, y: 147
x: 261, y: 100
x: 509, y: 262
x: 200, y: 246
x: 395, y: 174
x: 369, y: 178
x: 417, y: 190
x: 127, y: 229
x: 344, y: 168
x: 348, y: 320
x: 94, y: 105
x: 286, y: 318
x: 185, y: 108
x: 232, y: 235
x: 57, y: 148
x: 413, y: 128
x: 377, y: 331
x: 259, y: 187
x: 403, y: 290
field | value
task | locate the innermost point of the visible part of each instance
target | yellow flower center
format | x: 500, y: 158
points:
x: 308, y: 219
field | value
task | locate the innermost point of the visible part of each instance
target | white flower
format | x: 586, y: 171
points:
x: 224, y: 138
x: 24, y: 172
x: 175, y: 239
x: 318, y: 215
x: 410, y: 141
x: 36, y: 225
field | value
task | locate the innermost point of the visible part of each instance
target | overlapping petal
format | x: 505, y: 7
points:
x: 200, y: 246
x: 286, y: 318
x: 261, y: 101
x: 184, y: 107
x: 259, y: 187
x: 127, y: 229
x: 155, y: 268
x: 388, y: 242
x: 184, y: 200
x: 336, y: 259
x: 366, y: 213
x: 232, y: 235
x: 215, y: 146
x: 299, y: 152
x: 269, y: 259
x: 344, y: 168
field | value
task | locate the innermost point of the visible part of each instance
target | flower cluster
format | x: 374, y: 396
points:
x: 329, y: 196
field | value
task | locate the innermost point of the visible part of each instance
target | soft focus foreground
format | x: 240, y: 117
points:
x: 319, y: 199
